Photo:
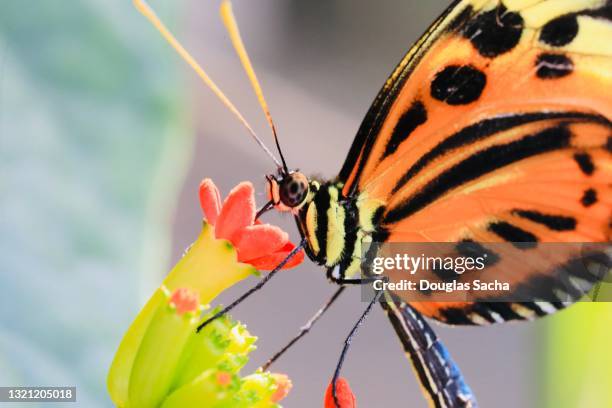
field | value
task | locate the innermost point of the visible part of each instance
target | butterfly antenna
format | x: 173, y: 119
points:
x: 227, y: 15
x: 147, y: 11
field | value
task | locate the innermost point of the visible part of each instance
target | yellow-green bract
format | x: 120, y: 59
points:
x: 163, y: 362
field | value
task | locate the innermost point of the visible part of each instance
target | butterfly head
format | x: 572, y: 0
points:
x: 288, y: 191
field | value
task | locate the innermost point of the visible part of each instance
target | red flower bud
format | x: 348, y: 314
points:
x: 224, y: 378
x: 345, y: 396
x: 284, y: 385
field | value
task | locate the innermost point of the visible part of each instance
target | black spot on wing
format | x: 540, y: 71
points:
x: 589, y: 197
x: 495, y: 32
x: 585, y: 163
x: 445, y: 274
x: 481, y: 310
x: 408, y: 122
x: 558, y: 305
x: 553, y: 222
x: 502, y: 309
x: 560, y: 31
x: 458, y: 84
x: 552, y: 66
x: 454, y: 315
x: 478, y: 165
x: 425, y: 292
x: 511, y: 233
x: 474, y: 249
x: 534, y: 308
x: 609, y: 144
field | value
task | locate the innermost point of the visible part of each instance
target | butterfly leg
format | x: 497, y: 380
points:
x: 304, y: 329
x: 347, y: 343
x: 254, y: 289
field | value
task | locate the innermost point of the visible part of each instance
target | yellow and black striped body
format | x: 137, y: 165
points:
x: 335, y: 227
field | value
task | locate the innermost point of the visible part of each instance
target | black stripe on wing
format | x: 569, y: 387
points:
x: 484, y: 129
x: 551, y: 221
x: 439, y: 375
x: 480, y: 164
x: 370, y: 127
x: 408, y: 122
x: 556, y: 136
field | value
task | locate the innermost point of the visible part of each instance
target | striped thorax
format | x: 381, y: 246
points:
x: 335, y: 227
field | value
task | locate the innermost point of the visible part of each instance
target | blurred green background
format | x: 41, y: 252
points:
x: 104, y: 136
x: 87, y: 131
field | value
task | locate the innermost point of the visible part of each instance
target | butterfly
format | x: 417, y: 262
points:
x: 495, y: 127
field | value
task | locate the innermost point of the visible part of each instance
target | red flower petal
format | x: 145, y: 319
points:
x: 271, y: 261
x: 238, y: 211
x: 210, y: 200
x: 346, y: 399
x: 256, y: 241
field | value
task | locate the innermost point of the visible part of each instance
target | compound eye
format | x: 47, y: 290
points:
x: 294, y: 190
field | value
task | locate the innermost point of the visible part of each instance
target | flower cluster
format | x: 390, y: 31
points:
x: 162, y: 361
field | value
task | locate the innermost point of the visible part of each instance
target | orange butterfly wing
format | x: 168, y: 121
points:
x: 495, y: 128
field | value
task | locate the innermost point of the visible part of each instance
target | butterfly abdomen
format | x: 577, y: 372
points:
x: 335, y: 226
